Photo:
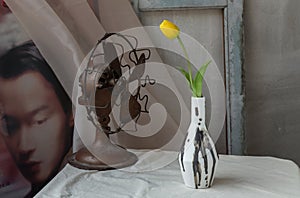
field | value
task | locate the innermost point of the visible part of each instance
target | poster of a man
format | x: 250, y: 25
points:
x: 36, y: 115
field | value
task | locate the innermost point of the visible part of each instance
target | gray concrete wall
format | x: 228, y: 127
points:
x: 272, y: 71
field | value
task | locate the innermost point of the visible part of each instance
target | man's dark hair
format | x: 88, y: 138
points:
x: 26, y: 57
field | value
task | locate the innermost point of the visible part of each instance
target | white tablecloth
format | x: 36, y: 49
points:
x: 236, y: 177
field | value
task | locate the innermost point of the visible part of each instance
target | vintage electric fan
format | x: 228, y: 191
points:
x: 114, y: 63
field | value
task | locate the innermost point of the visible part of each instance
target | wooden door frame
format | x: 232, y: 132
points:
x: 233, y: 53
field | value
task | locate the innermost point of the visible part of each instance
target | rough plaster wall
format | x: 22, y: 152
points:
x: 272, y: 64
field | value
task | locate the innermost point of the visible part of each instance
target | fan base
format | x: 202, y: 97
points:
x: 84, y: 159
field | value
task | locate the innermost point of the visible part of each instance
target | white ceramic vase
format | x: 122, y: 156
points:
x: 198, y: 157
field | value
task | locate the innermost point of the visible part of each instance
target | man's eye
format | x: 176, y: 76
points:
x: 9, y: 126
x: 3, y: 128
x: 40, y: 121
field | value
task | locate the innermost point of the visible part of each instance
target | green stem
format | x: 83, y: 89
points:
x: 189, y: 63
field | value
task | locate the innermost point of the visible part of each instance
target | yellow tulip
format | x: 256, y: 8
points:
x: 169, y: 29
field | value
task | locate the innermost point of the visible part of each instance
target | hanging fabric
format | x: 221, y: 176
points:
x: 66, y: 30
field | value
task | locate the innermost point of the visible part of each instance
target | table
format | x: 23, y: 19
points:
x: 236, y: 177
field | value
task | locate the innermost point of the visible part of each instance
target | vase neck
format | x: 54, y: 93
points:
x: 198, y: 110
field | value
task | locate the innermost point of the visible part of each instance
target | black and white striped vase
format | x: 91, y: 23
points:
x: 198, y: 157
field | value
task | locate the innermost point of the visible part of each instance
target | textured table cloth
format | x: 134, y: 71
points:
x: 236, y: 177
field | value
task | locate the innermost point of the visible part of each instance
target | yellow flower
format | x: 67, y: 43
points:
x: 169, y: 29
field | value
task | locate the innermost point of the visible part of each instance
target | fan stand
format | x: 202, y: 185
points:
x: 102, y: 154
x: 108, y: 156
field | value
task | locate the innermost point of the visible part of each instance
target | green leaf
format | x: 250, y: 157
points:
x: 186, y: 74
x: 198, y: 81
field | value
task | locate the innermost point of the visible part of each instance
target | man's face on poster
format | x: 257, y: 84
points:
x: 34, y: 125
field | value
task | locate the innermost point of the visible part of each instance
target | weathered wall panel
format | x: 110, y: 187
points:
x: 209, y: 32
x: 272, y: 30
